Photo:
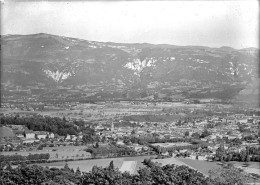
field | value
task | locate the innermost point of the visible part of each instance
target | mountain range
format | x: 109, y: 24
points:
x: 121, y: 70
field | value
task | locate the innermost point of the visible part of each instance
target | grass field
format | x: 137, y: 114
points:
x: 171, y: 160
x: 6, y: 132
x: 109, y: 110
x: 201, y: 166
x: 254, y: 167
x: 128, y: 166
x: 132, y: 164
x: 171, y: 144
x: 86, y: 165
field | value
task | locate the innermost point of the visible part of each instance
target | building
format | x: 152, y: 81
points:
x: 29, y: 134
x: 51, y: 135
x: 41, y: 134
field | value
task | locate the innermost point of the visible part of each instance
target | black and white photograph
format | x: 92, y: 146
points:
x: 129, y: 92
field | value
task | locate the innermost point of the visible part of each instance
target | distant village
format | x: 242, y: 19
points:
x: 234, y: 133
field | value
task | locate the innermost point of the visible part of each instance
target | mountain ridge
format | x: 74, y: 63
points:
x: 126, y: 69
x: 128, y: 43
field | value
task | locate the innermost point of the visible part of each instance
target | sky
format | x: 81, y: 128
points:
x: 206, y: 23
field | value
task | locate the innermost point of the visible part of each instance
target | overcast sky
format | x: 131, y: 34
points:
x: 208, y: 23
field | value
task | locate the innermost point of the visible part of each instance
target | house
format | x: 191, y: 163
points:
x: 120, y: 142
x: 234, y: 136
x: 137, y: 148
x: 73, y: 137
x: 60, y: 138
x: 192, y: 156
x: 80, y: 136
x: 203, y: 139
x: 41, y: 134
x: 29, y: 134
x: 202, y: 157
x: 19, y: 134
x: 67, y: 137
x: 242, y: 120
x: 30, y: 140
x: 51, y: 135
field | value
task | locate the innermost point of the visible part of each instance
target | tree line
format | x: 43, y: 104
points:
x: 19, y: 158
x: 110, y: 151
x: 245, y: 155
x: 55, y: 125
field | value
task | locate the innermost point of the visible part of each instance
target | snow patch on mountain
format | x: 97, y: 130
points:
x: 138, y: 66
x: 57, y: 76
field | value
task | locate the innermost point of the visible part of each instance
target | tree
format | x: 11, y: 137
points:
x: 205, y: 133
x: 66, y: 167
x: 111, y: 165
x: 229, y: 157
x: 186, y: 133
x: 8, y: 167
x: 78, y: 172
x: 87, y: 138
x: 220, y: 152
x: 243, y: 155
x: 195, y: 135
x: 247, y: 158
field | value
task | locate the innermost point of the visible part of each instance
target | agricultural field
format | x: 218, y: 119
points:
x: 6, y: 132
x: 205, y: 166
x: 165, y: 145
x: 128, y: 166
x: 87, y: 165
x: 253, y: 167
x: 107, y: 110
x: 172, y: 160
x: 202, y: 166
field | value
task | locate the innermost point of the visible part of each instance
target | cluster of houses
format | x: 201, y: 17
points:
x: 28, y: 136
x: 13, y: 136
x: 223, y: 127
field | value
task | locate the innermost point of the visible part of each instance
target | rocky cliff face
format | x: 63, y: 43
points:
x: 192, y: 71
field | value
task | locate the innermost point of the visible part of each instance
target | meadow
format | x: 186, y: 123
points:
x: 165, y: 145
x: 202, y: 166
x: 87, y: 165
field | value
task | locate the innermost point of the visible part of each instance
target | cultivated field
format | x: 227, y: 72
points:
x: 172, y: 160
x: 87, y: 165
x: 128, y: 166
x: 107, y: 110
x: 254, y: 167
x: 165, y: 145
x: 202, y: 166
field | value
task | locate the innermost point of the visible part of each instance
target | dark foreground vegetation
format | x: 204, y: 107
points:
x: 152, y: 174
